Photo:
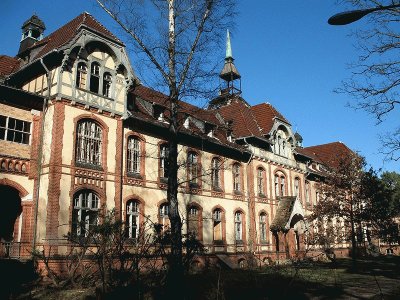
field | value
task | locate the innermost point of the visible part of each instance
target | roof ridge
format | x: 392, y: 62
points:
x: 101, y: 25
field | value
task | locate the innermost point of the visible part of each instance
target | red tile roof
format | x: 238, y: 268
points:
x: 265, y: 114
x: 7, y: 65
x: 328, y: 154
x: 159, y: 98
x: 149, y: 95
x: 244, y: 122
x: 66, y: 33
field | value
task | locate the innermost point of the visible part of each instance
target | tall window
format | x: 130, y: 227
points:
x: 95, y: 77
x: 297, y: 188
x: 163, y: 215
x: 192, y: 164
x: 194, y: 221
x: 263, y: 227
x: 132, y: 219
x: 215, y: 173
x: 308, y: 192
x: 236, y: 178
x: 81, y: 75
x: 107, y: 81
x: 276, y: 185
x: 260, y: 182
x: 134, y: 156
x: 238, y: 226
x: 89, y: 143
x: 283, y: 186
x: 14, y: 130
x: 280, y: 185
x: 85, y: 212
x: 217, y: 225
x: 164, y: 160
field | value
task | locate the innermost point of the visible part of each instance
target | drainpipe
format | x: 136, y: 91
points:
x: 40, y: 152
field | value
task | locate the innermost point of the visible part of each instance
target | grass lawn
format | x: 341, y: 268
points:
x: 377, y: 278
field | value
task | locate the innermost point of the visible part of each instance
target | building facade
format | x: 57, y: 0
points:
x: 79, y: 134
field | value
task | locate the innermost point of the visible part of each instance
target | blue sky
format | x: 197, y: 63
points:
x: 287, y: 55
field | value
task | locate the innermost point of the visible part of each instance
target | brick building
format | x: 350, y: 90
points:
x: 78, y: 132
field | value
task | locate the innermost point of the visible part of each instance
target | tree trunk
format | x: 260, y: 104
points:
x: 175, y: 274
x: 353, y: 237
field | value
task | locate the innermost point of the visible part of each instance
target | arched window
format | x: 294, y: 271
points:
x: 85, y: 212
x: 81, y: 75
x: 283, y: 186
x: 192, y: 168
x: 236, y: 178
x: 238, y: 226
x: 260, y: 182
x: 107, y: 81
x: 194, y: 217
x: 280, y: 185
x: 134, y: 156
x: 164, y: 161
x: 218, y: 235
x: 263, y: 227
x: 89, y: 143
x: 95, y: 77
x: 163, y: 215
x: 132, y: 219
x: 215, y: 173
x: 276, y: 185
x: 308, y: 193
x: 297, y: 188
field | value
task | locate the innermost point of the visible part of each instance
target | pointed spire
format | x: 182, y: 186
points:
x: 228, y: 45
x: 229, y: 72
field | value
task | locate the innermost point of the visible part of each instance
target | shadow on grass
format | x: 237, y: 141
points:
x: 386, y: 266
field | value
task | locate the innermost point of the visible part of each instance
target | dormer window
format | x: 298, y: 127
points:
x: 95, y: 77
x: 107, y: 80
x: 81, y: 75
x: 159, y: 113
x: 209, y: 130
x: 186, y: 123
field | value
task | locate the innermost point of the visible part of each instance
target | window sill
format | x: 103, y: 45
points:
x: 217, y: 189
x: 219, y: 243
x: 262, y: 196
x: 194, y: 186
x: 239, y: 193
x: 134, y: 175
x: 239, y: 242
x: 89, y: 166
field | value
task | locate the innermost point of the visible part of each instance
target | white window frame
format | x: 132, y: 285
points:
x: 85, y: 212
x: 263, y: 227
x: 25, y: 132
x: 132, y: 218
x: 238, y: 226
x: 193, y: 169
x: 134, y: 155
x: 89, y: 143
x: 215, y: 173
x: 164, y: 160
x: 236, y: 177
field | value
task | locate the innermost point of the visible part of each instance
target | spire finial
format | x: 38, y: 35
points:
x: 228, y: 45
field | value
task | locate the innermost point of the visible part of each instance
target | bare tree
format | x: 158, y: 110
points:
x: 341, y: 199
x: 375, y: 79
x: 177, y: 38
